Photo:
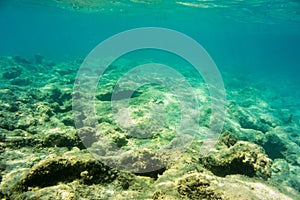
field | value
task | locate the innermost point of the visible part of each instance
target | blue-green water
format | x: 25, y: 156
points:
x: 245, y: 36
x: 255, y: 45
x: 259, y: 37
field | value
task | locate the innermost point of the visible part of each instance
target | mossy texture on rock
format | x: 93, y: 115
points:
x: 63, y: 169
x: 242, y: 158
x: 197, y: 187
x: 144, y: 163
x: 58, y: 139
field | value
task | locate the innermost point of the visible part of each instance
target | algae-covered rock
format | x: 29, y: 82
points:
x: 248, y: 119
x: 274, y: 146
x: 197, y: 187
x: 285, y: 174
x: 241, y: 158
x: 200, y: 185
x: 17, y: 138
x: 59, y: 137
x: 144, y: 162
x: 69, y: 167
x: 12, y: 72
x: 226, y: 139
x: 55, y: 192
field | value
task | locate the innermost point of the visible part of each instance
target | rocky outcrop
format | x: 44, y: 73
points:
x: 238, y: 158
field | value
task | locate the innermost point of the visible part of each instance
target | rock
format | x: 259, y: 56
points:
x: 12, y: 72
x: 258, y: 115
x: 242, y: 158
x: 68, y: 121
x: 62, y: 138
x: 17, y: 138
x: 2, y: 135
x: 144, y: 162
x: 21, y: 81
x: 36, y: 94
x: 248, y: 120
x: 200, y: 185
x: 197, y: 186
x: 274, y: 146
x: 2, y: 164
x: 21, y: 60
x: 280, y: 170
x: 120, y: 140
x: 87, y: 136
x: 39, y: 59
x: 69, y: 167
x: 55, y: 192
x: 60, y: 96
x: 119, y: 95
x: 285, y: 115
x: 226, y: 139
x: 285, y: 174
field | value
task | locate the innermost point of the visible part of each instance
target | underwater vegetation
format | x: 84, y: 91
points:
x: 43, y: 156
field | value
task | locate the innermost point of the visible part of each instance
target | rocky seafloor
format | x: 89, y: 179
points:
x: 43, y: 156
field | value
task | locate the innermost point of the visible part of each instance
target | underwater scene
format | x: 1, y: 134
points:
x: 149, y: 99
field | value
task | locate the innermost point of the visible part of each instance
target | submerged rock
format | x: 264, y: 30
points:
x: 21, y: 60
x: 21, y: 81
x: 197, y: 186
x: 119, y: 95
x: 250, y: 120
x: 59, y: 137
x: 54, y: 170
x: 242, y: 158
x: 12, y: 72
x: 145, y: 163
x: 285, y: 174
x: 274, y: 146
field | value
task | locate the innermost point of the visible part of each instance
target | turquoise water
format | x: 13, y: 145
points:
x: 254, y: 44
x: 245, y: 34
x: 261, y: 37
